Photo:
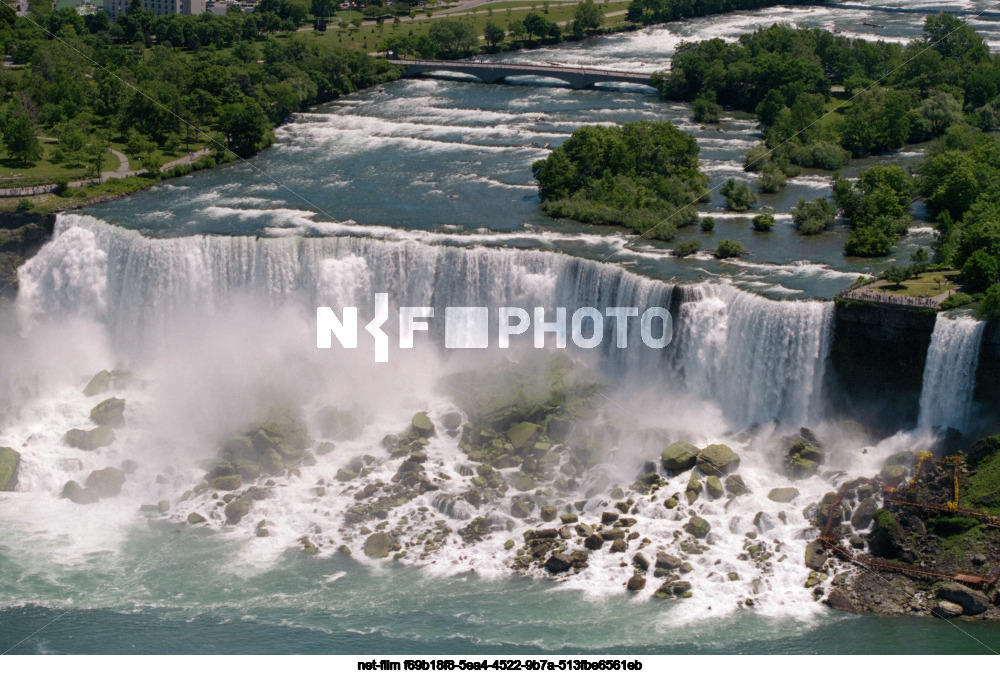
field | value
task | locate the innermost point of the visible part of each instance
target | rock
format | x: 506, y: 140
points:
x: 972, y: 601
x: 451, y: 420
x: 670, y: 503
x: 106, y: 482
x: 714, y: 486
x: 110, y: 412
x: 236, y: 510
x: 558, y: 563
x: 679, y: 457
x: 693, y: 489
x: 129, y: 466
x: 905, y: 459
x: 422, y: 425
x: 77, y: 494
x: 593, y: 542
x: 619, y: 545
x: 783, y: 494
x: 764, y: 522
x: 697, y: 527
x: 815, y: 556
x: 888, y: 539
x: 378, y: 544
x: 102, y: 436
x: 163, y: 506
x: 892, y: 475
x: 548, y: 513
x: 10, y: 461
x: 569, y: 518
x: 521, y: 508
x: 803, y: 457
x: 947, y: 610
x: 99, y: 383
x: 640, y: 561
x: 608, y: 517
x: 226, y: 483
x: 636, y: 583
x: 195, y: 518
x: 718, y: 460
x: 839, y: 600
x: 520, y: 434
x: 862, y: 517
x: 735, y: 486
x: 667, y: 561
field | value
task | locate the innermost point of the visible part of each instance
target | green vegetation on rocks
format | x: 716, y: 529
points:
x: 641, y: 175
x: 110, y: 412
x: 679, y: 457
x: 718, y: 460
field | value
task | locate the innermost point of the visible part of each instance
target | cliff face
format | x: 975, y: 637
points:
x: 21, y: 235
x: 987, y: 395
x: 877, y: 363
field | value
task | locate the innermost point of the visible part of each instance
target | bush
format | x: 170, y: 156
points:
x: 957, y: 300
x: 772, y: 180
x: 739, y: 196
x: 685, y: 248
x: 708, y: 224
x: 728, y: 248
x: 707, y: 111
x: 61, y: 188
x: 24, y: 205
x: 821, y: 155
x: 764, y: 222
x: 989, y: 306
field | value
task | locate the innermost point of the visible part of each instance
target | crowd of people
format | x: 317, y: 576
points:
x: 868, y: 294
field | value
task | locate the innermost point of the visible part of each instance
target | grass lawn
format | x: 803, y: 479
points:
x: 15, y: 174
x: 929, y: 283
x: 368, y: 36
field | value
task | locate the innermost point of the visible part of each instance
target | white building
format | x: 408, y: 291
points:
x: 115, y: 7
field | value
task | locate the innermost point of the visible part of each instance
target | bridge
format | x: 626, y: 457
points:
x: 492, y: 73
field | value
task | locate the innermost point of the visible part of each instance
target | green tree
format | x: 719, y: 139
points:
x: 896, y: 276
x: 989, y: 306
x: 813, y: 217
x: 728, y: 248
x: 706, y: 111
x: 980, y: 271
x: 453, y: 36
x: 708, y: 224
x: 739, y: 196
x: 493, y: 34
x: 322, y: 9
x: 764, y: 222
x: 687, y: 247
x: 245, y: 127
x: 587, y: 17
x: 22, y: 146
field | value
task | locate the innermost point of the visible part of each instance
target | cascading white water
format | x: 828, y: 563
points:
x: 950, y: 373
x: 757, y: 358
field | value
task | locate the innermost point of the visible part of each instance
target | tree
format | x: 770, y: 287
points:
x: 322, y: 8
x: 22, y: 146
x: 453, y: 36
x: 813, y: 217
x: 989, y: 307
x: 535, y: 24
x: 587, y: 17
x: 739, y: 196
x: 245, y: 126
x: 896, y: 276
x: 706, y: 111
x: 708, y: 224
x: 980, y: 271
x: 493, y: 34
x: 685, y: 248
x: 772, y: 179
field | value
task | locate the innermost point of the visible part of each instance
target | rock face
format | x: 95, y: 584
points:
x: 718, y: 460
x: 698, y: 527
x: 107, y: 482
x: 110, y: 412
x: 972, y: 601
x: 10, y: 461
x: 679, y: 457
x: 783, y: 494
x: 378, y: 545
x: 841, y: 601
x: 270, y: 447
x: 102, y: 436
x: 888, y: 539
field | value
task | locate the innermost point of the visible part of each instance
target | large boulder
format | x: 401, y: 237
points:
x: 841, y: 601
x: 735, y: 485
x: 110, y: 412
x: 862, y: 517
x: 888, y: 539
x: 803, y: 456
x: 106, y: 482
x: 665, y: 560
x: 718, y: 460
x: 815, y: 556
x: 698, y: 527
x: 378, y: 544
x: 714, y: 486
x: 892, y: 474
x: 520, y: 434
x: 99, y: 383
x: 679, y: 457
x: 102, y: 436
x: 423, y: 425
x: 636, y: 583
x: 237, y: 509
x: 972, y: 601
x: 783, y: 494
x: 10, y: 461
x: 77, y: 494
x: 559, y: 563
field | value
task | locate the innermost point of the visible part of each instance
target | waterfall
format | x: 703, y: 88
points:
x: 950, y: 373
x: 756, y: 358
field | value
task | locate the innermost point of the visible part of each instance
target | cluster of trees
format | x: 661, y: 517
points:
x: 659, y: 11
x: 93, y: 86
x: 641, y: 175
x: 784, y: 75
x: 878, y: 207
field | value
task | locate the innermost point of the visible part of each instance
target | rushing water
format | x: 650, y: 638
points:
x: 950, y: 373
x: 204, y: 288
